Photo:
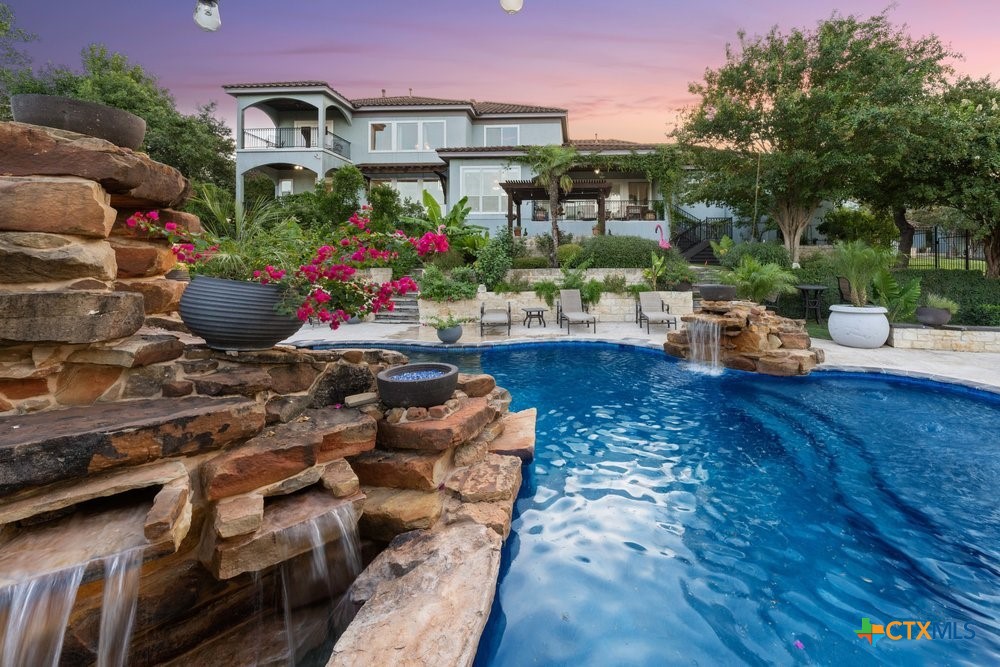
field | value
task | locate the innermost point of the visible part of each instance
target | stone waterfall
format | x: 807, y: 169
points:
x: 744, y: 336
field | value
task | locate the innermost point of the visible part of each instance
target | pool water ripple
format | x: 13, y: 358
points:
x: 676, y: 518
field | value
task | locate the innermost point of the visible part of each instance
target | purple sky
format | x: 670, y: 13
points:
x: 621, y: 67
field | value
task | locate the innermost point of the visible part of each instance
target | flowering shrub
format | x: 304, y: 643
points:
x: 321, y: 285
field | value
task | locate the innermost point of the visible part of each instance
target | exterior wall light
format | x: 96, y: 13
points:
x: 511, y: 6
x: 206, y: 15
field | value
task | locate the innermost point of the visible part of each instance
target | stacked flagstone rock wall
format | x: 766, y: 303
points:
x: 229, y: 455
x: 752, y: 339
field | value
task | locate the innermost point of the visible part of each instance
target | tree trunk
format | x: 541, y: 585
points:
x: 554, y: 219
x: 991, y: 247
x: 905, y: 237
x: 792, y: 219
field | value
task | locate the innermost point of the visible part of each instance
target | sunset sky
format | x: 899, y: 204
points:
x: 620, y: 67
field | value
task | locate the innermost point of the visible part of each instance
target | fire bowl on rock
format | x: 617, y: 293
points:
x: 64, y: 113
x: 417, y: 385
x: 717, y: 292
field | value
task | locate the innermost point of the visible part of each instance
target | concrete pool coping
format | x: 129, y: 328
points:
x: 978, y: 370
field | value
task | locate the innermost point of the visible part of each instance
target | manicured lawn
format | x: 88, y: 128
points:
x: 818, y: 330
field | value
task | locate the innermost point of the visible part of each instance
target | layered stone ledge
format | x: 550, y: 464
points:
x: 951, y: 338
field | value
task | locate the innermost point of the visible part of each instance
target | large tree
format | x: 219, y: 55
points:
x: 199, y: 145
x: 816, y: 110
x: 552, y: 165
x: 971, y: 169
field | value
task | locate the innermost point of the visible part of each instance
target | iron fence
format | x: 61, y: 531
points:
x: 936, y: 248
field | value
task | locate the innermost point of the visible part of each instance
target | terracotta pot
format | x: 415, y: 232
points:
x: 235, y: 315
x: 397, y: 390
x: 66, y: 113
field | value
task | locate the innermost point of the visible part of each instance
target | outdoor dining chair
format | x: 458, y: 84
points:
x: 570, y: 310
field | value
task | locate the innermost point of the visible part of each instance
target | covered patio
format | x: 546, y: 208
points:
x: 519, y: 192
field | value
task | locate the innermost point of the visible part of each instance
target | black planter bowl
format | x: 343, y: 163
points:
x: 933, y: 317
x: 397, y: 388
x: 717, y: 292
x: 235, y: 315
x: 65, y: 113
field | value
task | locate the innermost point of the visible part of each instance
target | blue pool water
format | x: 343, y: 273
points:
x: 675, y: 518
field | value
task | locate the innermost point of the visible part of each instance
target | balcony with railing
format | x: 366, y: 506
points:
x: 306, y: 137
x: 613, y: 210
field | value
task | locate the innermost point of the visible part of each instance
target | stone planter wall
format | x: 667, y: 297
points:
x: 952, y: 338
x: 611, y: 307
x: 632, y: 276
x: 234, y: 453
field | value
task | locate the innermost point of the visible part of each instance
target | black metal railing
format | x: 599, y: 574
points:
x: 295, y: 137
x: 613, y: 210
x: 688, y: 234
x: 936, y: 248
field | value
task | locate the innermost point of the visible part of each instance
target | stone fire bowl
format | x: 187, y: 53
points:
x: 424, y: 393
x: 65, y: 113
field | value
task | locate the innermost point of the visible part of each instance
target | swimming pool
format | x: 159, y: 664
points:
x: 675, y: 518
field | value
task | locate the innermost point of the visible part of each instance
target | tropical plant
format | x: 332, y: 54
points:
x: 552, y: 165
x: 944, y: 303
x: 759, y: 282
x: 658, y: 265
x: 469, y: 238
x: 899, y: 300
x: 447, y: 321
x: 722, y: 248
x: 860, y: 263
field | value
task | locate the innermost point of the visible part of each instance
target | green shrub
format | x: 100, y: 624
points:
x: 967, y: 288
x: 494, y: 259
x: 543, y: 245
x: 446, y: 261
x: 436, y: 286
x: 615, y: 283
x: 515, y: 285
x: 765, y: 253
x: 547, y: 290
x: 566, y: 254
x: 848, y: 224
x: 618, y: 252
x: 986, y: 315
x: 530, y: 262
x: 590, y: 291
x: 942, y: 302
x: 465, y: 274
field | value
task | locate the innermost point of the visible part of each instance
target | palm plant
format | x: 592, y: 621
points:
x: 552, y: 165
x: 759, y: 282
x: 860, y: 263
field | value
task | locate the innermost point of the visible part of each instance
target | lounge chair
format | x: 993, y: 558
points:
x: 493, y: 317
x: 651, y: 309
x: 571, y: 311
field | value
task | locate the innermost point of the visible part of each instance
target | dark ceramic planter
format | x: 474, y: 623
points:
x: 65, y: 113
x: 420, y: 393
x: 717, y: 292
x: 450, y: 335
x: 933, y: 317
x: 235, y: 315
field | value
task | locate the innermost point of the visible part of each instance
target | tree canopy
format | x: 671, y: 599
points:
x: 200, y: 145
x: 818, y: 111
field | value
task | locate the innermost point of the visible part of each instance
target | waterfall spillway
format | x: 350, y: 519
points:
x: 121, y: 595
x: 704, y: 339
x: 37, y: 612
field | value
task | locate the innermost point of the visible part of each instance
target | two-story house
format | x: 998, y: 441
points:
x: 452, y: 148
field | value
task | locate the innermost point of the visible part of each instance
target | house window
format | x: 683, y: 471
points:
x: 502, y: 135
x: 381, y: 136
x: 407, y: 135
x: 414, y: 188
x: 482, y: 186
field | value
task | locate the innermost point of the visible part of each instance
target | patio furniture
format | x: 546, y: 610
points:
x: 812, y: 300
x: 651, y: 309
x: 493, y: 317
x: 571, y: 310
x: 533, y: 315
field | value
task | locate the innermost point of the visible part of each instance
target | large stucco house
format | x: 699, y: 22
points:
x: 452, y: 148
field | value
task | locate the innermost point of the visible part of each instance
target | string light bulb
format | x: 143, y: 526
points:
x: 511, y: 6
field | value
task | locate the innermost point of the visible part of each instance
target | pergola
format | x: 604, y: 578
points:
x: 519, y: 192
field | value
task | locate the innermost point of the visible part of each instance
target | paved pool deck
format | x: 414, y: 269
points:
x: 975, y: 369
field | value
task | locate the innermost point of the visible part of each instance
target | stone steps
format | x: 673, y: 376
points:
x: 406, y: 310
x: 64, y: 445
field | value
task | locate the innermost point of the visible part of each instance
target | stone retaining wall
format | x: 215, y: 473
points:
x: 611, y: 307
x: 952, y: 338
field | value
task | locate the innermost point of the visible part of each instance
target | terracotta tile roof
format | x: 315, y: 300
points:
x: 427, y: 167
x: 609, y: 145
x: 504, y: 107
x: 406, y: 101
x: 279, y: 84
x: 482, y: 149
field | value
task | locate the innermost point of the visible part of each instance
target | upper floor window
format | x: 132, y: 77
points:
x: 406, y: 135
x: 502, y: 135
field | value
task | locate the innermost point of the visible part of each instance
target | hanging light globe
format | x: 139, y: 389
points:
x: 206, y: 15
x: 511, y: 6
